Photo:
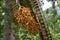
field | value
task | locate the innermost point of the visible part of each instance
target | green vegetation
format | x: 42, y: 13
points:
x: 51, y: 17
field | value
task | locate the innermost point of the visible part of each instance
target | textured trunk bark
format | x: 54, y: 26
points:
x: 44, y: 34
x: 8, y: 32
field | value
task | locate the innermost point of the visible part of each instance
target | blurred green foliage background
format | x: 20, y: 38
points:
x: 51, y: 17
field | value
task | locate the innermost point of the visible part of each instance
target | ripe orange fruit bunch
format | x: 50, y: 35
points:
x: 23, y: 14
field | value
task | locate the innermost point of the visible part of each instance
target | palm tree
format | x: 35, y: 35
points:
x: 43, y: 28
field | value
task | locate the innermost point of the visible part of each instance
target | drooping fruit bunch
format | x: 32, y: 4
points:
x: 23, y: 15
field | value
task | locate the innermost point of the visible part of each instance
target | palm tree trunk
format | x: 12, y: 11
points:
x: 8, y: 32
x: 44, y: 34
